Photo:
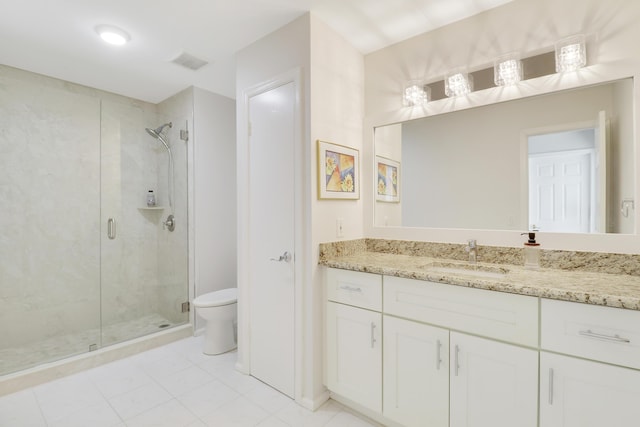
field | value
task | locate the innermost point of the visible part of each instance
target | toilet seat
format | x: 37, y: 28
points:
x: 217, y: 298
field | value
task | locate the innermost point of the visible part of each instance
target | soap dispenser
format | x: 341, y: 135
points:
x: 151, y: 199
x: 531, y: 252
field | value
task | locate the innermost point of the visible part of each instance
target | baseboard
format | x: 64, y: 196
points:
x: 316, y: 402
x: 361, y: 411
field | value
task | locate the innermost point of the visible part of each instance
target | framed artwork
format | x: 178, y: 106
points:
x: 388, y: 182
x: 338, y: 171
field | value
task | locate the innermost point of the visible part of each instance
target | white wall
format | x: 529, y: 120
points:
x: 337, y: 112
x: 214, y: 193
x: 527, y: 26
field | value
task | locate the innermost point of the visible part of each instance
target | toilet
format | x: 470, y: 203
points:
x: 219, y: 309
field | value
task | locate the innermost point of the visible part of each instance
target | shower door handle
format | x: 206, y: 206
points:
x: 111, y: 228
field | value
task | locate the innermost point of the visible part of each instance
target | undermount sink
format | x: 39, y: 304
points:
x: 468, y: 270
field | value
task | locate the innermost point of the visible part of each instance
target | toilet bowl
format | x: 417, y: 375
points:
x: 219, y: 309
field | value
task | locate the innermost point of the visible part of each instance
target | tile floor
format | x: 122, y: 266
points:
x: 170, y: 386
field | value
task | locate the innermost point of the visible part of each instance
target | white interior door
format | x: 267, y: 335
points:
x: 560, y: 191
x: 271, y: 236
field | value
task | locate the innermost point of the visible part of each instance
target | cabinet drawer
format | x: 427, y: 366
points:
x: 355, y: 288
x: 595, y: 332
x: 498, y: 315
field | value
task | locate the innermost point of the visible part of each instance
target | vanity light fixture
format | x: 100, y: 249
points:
x: 458, y: 84
x: 507, y: 70
x: 415, y: 93
x: 113, y: 35
x: 571, y: 53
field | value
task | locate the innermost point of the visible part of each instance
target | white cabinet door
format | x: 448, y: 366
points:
x: 416, y: 373
x: 354, y: 354
x: 579, y: 393
x: 492, y: 384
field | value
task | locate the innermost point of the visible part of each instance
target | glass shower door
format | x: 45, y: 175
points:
x: 143, y: 277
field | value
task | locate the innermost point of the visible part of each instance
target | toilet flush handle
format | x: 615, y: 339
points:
x: 286, y: 257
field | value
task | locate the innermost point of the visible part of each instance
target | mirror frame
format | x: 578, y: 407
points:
x: 611, y: 243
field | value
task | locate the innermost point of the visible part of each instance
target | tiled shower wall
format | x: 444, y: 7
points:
x: 50, y: 205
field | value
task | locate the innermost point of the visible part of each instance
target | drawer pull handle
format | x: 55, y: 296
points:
x: 350, y: 288
x: 438, y: 356
x: 373, y: 338
x: 617, y: 338
x: 550, y: 386
x: 457, y: 364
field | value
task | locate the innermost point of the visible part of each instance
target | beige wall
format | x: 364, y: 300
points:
x: 527, y: 26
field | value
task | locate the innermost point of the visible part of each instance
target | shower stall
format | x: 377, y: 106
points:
x: 84, y: 262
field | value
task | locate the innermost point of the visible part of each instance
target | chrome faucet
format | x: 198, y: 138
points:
x: 472, y: 248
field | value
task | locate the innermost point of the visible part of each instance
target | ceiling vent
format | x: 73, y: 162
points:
x: 189, y: 61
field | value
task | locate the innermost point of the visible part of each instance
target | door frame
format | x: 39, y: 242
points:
x: 301, y: 234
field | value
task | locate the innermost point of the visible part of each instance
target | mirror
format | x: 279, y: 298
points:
x: 513, y: 165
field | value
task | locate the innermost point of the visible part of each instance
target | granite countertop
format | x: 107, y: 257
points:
x: 611, y: 290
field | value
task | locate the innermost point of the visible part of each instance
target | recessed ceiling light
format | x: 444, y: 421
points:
x: 113, y: 35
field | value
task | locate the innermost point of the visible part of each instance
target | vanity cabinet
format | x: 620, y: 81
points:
x: 416, y: 373
x: 436, y: 373
x: 354, y: 337
x: 581, y: 393
x: 596, y: 381
x: 455, y: 356
x: 437, y: 378
x: 493, y: 384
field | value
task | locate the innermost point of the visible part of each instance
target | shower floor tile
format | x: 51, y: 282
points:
x: 56, y: 348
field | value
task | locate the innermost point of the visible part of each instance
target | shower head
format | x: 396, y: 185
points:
x: 157, y: 134
x: 158, y: 131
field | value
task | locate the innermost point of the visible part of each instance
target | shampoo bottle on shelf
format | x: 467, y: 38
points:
x: 151, y: 199
x: 531, y: 252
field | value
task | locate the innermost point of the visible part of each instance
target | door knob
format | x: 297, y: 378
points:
x: 286, y: 257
